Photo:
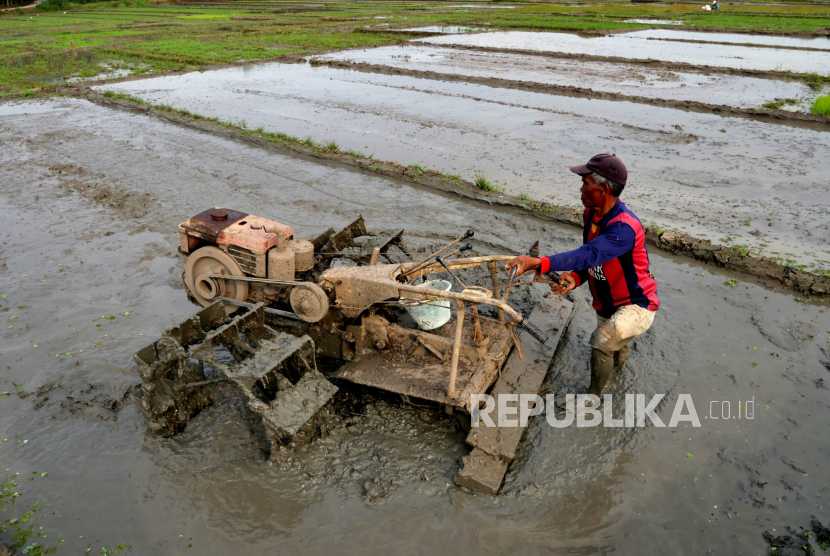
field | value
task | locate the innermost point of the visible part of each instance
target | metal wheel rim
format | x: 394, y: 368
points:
x: 309, y: 302
x: 212, y: 260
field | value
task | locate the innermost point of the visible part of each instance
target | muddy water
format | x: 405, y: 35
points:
x: 627, y: 79
x: 726, y: 179
x: 768, y: 40
x: 654, y: 21
x: 742, y: 57
x: 444, y: 29
x: 91, y: 197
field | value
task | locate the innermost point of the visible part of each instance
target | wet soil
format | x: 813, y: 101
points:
x: 611, y: 46
x: 728, y: 180
x: 705, y: 92
x: 381, y: 481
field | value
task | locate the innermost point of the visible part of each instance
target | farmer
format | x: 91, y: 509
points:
x: 715, y: 6
x: 613, y: 260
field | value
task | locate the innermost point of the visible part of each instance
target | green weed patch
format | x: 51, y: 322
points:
x: 821, y: 106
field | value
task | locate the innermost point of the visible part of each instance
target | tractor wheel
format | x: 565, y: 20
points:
x: 212, y: 260
x: 309, y: 302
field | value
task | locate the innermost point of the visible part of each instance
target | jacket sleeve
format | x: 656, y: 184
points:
x: 617, y: 240
x: 581, y: 277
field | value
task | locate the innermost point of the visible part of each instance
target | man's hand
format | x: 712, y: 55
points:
x: 524, y: 263
x: 566, y: 283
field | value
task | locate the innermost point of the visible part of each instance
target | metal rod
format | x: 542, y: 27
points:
x: 517, y: 342
x: 457, y: 279
x: 255, y: 280
x: 456, y: 346
x: 466, y: 247
x: 421, y: 264
x: 460, y: 264
x: 512, y: 273
x: 478, y: 334
x: 468, y: 233
x: 278, y: 312
x: 494, y: 276
x: 438, y: 295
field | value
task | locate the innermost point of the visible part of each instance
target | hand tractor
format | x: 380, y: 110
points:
x: 274, y: 305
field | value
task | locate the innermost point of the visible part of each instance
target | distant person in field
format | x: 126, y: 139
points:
x: 715, y: 6
x: 613, y: 261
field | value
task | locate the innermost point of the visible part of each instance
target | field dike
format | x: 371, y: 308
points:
x: 734, y: 258
x: 786, y: 117
x: 661, y: 64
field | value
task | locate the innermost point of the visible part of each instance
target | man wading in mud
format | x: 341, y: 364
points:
x: 614, y: 262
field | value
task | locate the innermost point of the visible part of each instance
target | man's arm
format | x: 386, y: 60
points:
x: 617, y: 240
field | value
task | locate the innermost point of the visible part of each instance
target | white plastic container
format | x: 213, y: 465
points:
x: 430, y: 315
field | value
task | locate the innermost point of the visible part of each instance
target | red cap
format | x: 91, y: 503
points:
x: 606, y: 165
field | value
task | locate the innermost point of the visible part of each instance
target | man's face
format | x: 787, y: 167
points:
x: 593, y: 195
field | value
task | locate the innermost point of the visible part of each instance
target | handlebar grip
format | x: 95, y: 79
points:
x: 469, y: 233
x: 533, y: 331
x: 534, y: 250
x: 466, y: 247
x: 552, y: 275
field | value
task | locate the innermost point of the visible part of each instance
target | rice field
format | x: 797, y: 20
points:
x: 62, y: 41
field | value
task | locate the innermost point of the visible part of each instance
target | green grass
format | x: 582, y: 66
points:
x: 816, y: 81
x: 113, y: 94
x: 821, y: 106
x: 778, y: 103
x: 483, y: 184
x: 145, y: 36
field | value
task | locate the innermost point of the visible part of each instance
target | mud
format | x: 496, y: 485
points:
x: 724, y: 180
x: 727, y: 56
x: 87, y: 400
x: 380, y: 479
x: 702, y: 92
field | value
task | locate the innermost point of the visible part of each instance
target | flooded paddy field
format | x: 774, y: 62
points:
x: 92, y: 196
x: 92, y: 193
x: 618, y: 78
x: 813, y: 43
x: 624, y: 46
x: 731, y: 180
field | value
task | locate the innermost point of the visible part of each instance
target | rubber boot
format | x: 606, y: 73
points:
x: 620, y: 357
x: 602, y: 367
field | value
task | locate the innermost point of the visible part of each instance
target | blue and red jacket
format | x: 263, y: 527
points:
x: 613, y: 260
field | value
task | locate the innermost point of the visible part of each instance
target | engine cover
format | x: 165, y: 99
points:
x: 245, y: 237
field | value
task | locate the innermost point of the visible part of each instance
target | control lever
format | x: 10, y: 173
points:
x: 466, y: 247
x: 468, y: 234
x: 511, y: 275
x: 440, y: 260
